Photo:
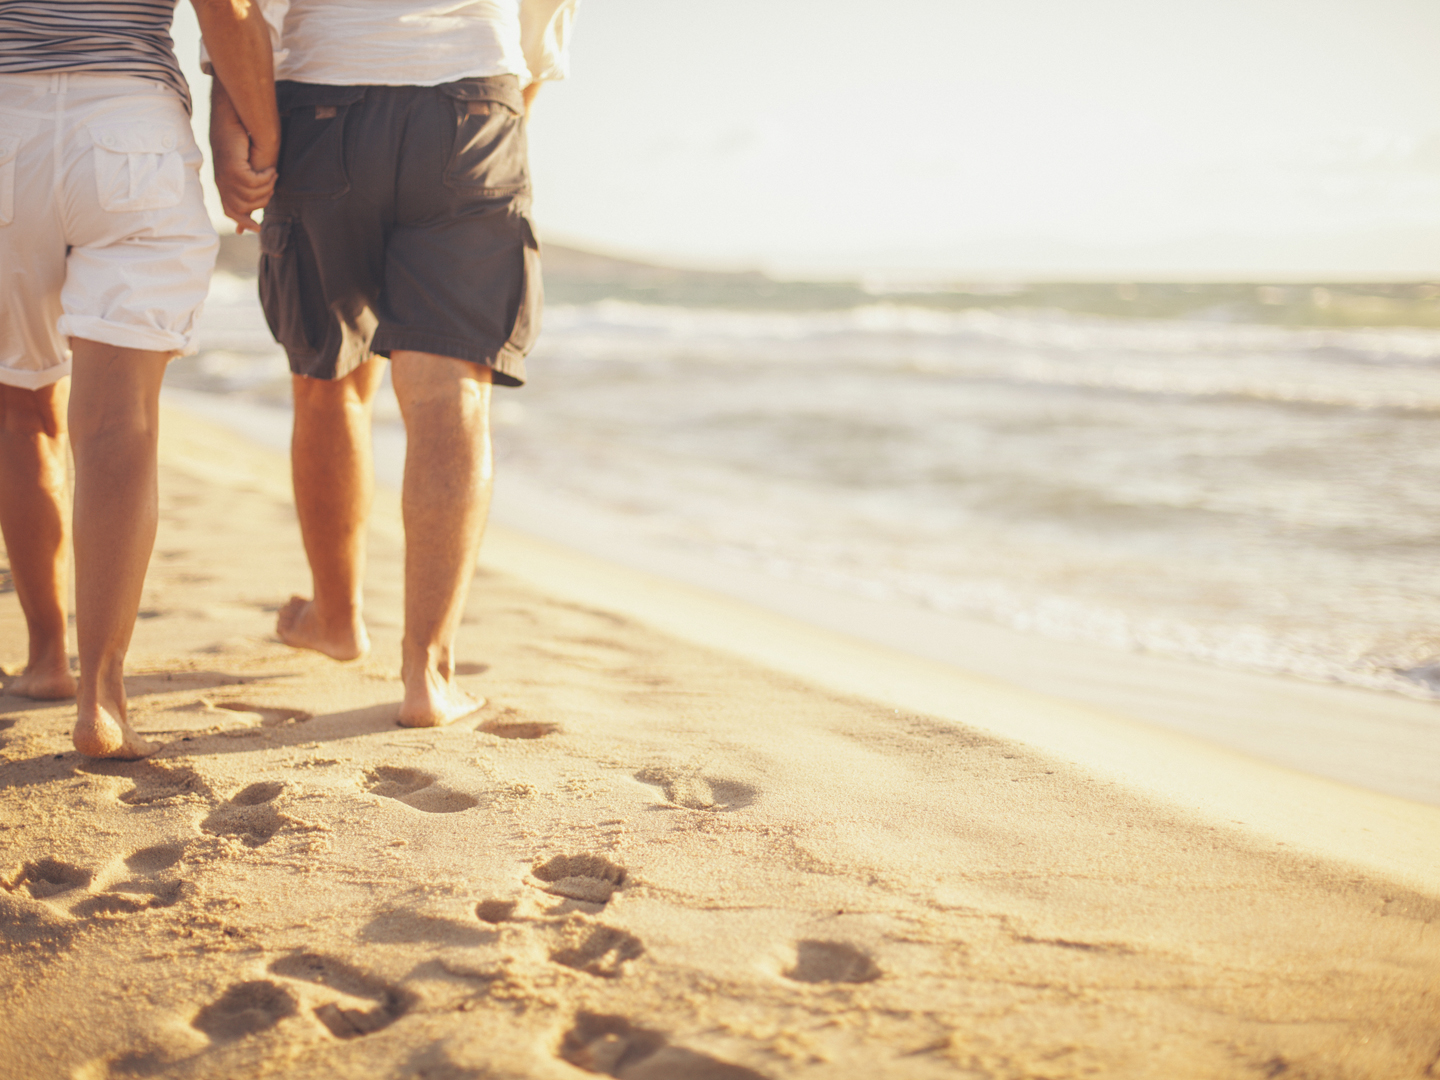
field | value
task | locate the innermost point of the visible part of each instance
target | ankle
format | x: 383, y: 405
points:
x: 434, y: 662
x: 104, y: 692
x: 336, y: 616
x: 49, y: 657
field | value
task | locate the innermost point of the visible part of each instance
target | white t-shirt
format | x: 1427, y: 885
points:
x: 417, y: 42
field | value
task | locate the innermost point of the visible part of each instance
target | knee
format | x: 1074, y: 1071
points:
x: 114, y: 394
x: 31, y: 414
x: 110, y: 423
x: 313, y: 393
x: 319, y: 396
x: 442, y: 389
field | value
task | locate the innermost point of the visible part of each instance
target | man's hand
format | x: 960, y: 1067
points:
x: 244, y: 172
x: 244, y: 123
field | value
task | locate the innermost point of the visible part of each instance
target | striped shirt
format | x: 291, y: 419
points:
x: 101, y: 37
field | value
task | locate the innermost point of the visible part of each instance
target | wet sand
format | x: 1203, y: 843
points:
x: 684, y: 839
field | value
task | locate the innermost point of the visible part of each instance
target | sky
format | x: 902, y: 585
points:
x: 998, y: 138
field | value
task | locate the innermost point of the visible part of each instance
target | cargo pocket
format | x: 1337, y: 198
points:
x: 525, y: 328
x: 488, y: 159
x: 312, y: 139
x: 137, y: 166
x: 9, y: 151
x: 280, y: 286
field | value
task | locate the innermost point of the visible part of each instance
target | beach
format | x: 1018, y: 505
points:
x: 1149, y: 499
x: 685, y: 837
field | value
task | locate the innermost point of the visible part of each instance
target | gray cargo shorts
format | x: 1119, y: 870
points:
x: 401, y: 220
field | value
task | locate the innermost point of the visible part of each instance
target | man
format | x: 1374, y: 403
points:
x: 400, y: 228
x: 105, y: 243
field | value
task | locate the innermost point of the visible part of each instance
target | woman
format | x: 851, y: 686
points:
x: 105, y: 246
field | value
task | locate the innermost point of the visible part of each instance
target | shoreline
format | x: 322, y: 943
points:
x: 1392, y: 836
x: 684, y: 838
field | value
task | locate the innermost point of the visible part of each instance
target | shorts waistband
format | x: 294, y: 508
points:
x: 56, y: 82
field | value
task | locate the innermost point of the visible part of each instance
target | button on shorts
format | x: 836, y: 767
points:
x: 401, y: 221
x: 103, y: 229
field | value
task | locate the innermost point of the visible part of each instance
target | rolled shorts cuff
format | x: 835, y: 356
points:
x: 507, y: 364
x: 148, y: 338
x: 34, y: 380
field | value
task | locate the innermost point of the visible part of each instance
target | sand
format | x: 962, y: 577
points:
x: 684, y: 839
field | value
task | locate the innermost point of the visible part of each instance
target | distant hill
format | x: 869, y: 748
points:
x: 573, y: 264
x: 575, y: 276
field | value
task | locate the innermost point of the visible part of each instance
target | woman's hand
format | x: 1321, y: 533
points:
x: 244, y: 173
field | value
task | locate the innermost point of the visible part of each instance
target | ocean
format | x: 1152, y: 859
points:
x: 1197, y: 479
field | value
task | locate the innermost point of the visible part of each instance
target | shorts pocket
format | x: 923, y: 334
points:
x: 525, y: 328
x: 488, y: 158
x: 274, y: 237
x: 9, y: 151
x: 312, y: 139
x: 137, y: 166
x: 281, y: 288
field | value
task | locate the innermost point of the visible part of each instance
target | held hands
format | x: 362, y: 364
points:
x: 244, y: 170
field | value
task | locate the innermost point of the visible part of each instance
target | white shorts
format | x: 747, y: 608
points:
x: 103, y: 228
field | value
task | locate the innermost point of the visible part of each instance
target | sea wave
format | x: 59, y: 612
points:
x: 1042, y: 328
x: 1365, y: 369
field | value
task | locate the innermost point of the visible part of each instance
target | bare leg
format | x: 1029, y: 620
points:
x: 114, y: 428
x: 334, y: 476
x: 34, y: 516
x: 446, y: 498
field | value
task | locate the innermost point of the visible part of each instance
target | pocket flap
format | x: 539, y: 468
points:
x: 135, y: 138
x: 9, y: 147
x: 290, y: 96
x: 503, y: 89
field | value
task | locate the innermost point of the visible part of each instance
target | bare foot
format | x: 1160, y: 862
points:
x: 43, y: 684
x: 299, y: 624
x: 100, y: 734
x: 434, y: 701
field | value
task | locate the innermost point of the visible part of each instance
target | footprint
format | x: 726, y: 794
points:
x: 410, y: 927
x: 249, y: 814
x: 246, y: 1008
x: 50, y: 877
x: 696, y: 792
x: 466, y: 668
x: 832, y: 962
x: 270, y: 716
x: 159, y: 784
x: 254, y: 825
x: 144, y: 1061
x: 128, y: 897
x: 613, y: 1046
x: 418, y: 789
x: 496, y: 911
x: 260, y: 792
x: 390, y: 1003
x: 591, y: 878
x: 152, y: 860
x: 597, y: 950
x: 512, y: 727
